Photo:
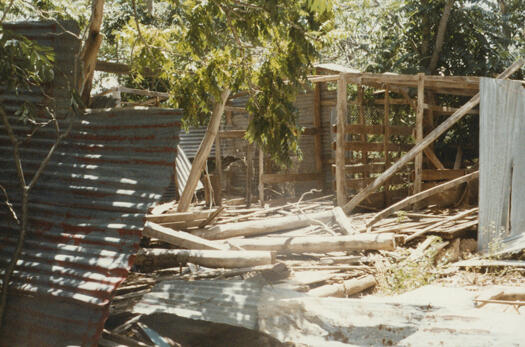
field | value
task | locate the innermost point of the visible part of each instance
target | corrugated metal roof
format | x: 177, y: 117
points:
x: 220, y: 301
x: 86, y: 211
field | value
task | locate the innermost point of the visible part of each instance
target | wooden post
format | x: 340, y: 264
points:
x: 318, y: 146
x: 249, y: 173
x: 261, y: 172
x: 386, y: 142
x: 218, y: 170
x: 434, y: 134
x: 362, y: 121
x: 419, y: 131
x: 340, y: 141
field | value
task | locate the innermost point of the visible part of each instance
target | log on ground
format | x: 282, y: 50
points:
x: 259, y: 227
x: 162, y: 258
x: 319, y: 244
x: 347, y: 288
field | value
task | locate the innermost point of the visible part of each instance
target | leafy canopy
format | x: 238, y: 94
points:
x: 263, y: 47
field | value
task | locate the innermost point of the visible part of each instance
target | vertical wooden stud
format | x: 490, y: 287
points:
x: 340, y: 141
x: 386, y: 142
x: 318, y: 146
x: 261, y: 172
x: 362, y: 121
x: 249, y: 173
x: 419, y: 131
x: 218, y: 167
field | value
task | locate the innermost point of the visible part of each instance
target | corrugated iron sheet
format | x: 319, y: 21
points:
x: 220, y: 301
x: 86, y: 211
x: 183, y: 166
x: 502, y: 165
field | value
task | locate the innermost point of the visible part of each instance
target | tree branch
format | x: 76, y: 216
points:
x: 440, y: 36
x: 9, y: 205
x: 8, y: 8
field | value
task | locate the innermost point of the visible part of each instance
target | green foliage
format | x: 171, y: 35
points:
x: 196, y: 49
x: 24, y: 66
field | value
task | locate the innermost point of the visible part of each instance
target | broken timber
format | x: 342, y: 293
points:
x: 347, y: 288
x: 271, y: 225
x: 422, y: 195
x: 209, y: 258
x: 179, y: 238
x: 431, y: 137
x: 319, y: 244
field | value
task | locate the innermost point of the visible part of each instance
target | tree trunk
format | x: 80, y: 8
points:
x: 88, y: 56
x: 203, y: 152
x: 440, y: 36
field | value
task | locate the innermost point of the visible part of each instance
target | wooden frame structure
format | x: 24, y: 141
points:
x: 423, y: 108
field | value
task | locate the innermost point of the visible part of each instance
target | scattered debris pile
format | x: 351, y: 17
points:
x: 224, y: 266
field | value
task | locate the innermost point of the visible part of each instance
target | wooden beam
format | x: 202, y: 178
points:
x: 249, y: 173
x: 269, y: 225
x: 162, y: 258
x: 431, y: 137
x: 433, y: 158
x: 180, y: 238
x: 446, y: 109
x: 418, y: 163
x: 340, y: 151
x: 422, y: 195
x: 218, y: 167
x: 442, y: 175
x: 261, y: 173
x: 319, y: 244
x: 377, y: 129
x: 318, y: 145
x: 364, y: 137
x: 386, y: 142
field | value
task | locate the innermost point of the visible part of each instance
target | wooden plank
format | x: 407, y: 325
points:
x: 418, y: 162
x: 373, y: 147
x: 442, y: 222
x: 442, y: 175
x: 231, y: 134
x: 422, y: 195
x: 362, y: 121
x: 360, y: 183
x: 394, y: 101
x: 399, y: 130
x: 179, y: 238
x: 318, y: 144
x: 339, y: 151
x: 433, y: 158
x: 289, y: 177
x: 431, y: 137
x: 179, y: 216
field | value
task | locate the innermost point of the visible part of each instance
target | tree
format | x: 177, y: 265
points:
x: 208, y: 50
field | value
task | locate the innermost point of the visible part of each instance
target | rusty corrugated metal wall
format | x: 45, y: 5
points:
x: 86, y: 211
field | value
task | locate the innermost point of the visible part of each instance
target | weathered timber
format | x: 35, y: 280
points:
x: 270, y: 225
x: 162, y: 258
x: 318, y: 144
x: 319, y: 244
x: 433, y: 159
x: 289, y: 177
x: 340, y: 138
x: 431, y: 137
x: 343, y: 221
x: 440, y: 223
x: 347, y: 288
x: 180, y: 238
x: 422, y: 195
x: 179, y: 216
x: 418, y: 162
